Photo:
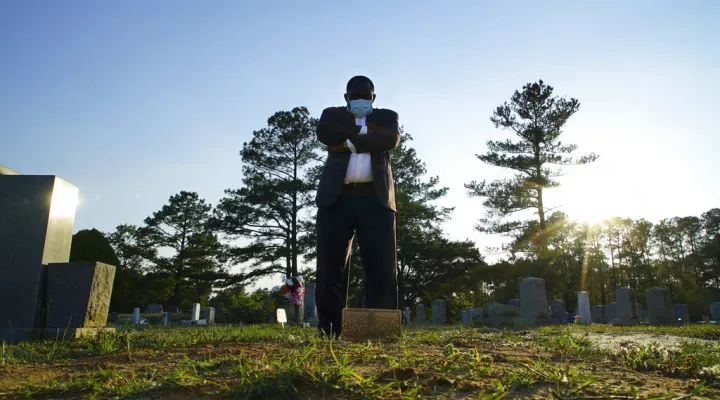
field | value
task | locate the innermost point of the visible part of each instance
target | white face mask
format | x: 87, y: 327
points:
x: 360, y: 107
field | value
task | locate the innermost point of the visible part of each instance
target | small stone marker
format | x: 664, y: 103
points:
x: 361, y: 324
x: 514, y: 302
x: 558, y: 311
x: 626, y: 312
x: 78, y: 294
x: 681, y: 312
x: 195, y: 315
x: 610, y: 313
x: 533, y: 302
x: 464, y: 319
x: 584, y: 308
x: 136, y: 316
x: 439, y: 312
x: 598, y: 314
x: 166, y: 318
x: 406, y: 315
x: 715, y: 311
x: 660, y: 307
x: 420, y: 313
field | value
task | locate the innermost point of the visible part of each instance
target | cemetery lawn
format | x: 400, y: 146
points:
x: 452, y: 362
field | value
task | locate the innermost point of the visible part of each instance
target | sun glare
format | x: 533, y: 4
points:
x: 585, y: 208
x: 64, y: 201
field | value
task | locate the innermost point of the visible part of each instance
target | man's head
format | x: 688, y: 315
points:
x: 360, y: 94
x: 360, y: 88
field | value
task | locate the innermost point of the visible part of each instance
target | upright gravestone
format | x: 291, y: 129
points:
x: 626, y: 312
x: 406, y: 315
x: 715, y: 311
x: 514, y: 302
x: 597, y: 313
x: 464, y: 317
x: 310, y: 308
x: 475, y: 315
x: 36, y: 225
x: 584, y: 308
x: 439, y: 312
x: 681, y: 312
x: 420, y: 313
x: 166, y: 318
x: 642, y: 315
x: 533, y: 302
x: 195, y: 315
x: 558, y: 311
x: 210, y: 315
x: 136, y: 316
x: 659, y: 307
x: 610, y: 313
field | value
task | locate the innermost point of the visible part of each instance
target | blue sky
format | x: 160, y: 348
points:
x: 134, y: 101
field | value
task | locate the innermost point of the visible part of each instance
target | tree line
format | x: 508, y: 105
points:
x: 189, y: 251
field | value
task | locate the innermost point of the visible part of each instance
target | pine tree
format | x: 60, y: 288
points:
x: 537, y: 118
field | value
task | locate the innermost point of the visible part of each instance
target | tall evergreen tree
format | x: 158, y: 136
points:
x: 537, y: 118
x: 271, y: 209
x: 182, y: 227
x: 134, y: 254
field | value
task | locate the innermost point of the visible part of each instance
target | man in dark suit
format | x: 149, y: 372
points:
x: 356, y: 196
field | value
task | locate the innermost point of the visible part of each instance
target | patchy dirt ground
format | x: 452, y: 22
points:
x: 443, y: 364
x: 609, y: 341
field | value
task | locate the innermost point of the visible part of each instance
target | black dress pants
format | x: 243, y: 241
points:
x: 357, y: 211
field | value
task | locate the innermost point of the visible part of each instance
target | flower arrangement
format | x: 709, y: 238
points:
x: 293, y: 289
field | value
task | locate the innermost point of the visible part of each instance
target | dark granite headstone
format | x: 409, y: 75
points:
x: 79, y: 294
x: 36, y: 221
x: 153, y: 309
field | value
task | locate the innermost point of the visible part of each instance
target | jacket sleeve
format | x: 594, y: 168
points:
x: 336, y: 125
x: 384, y: 136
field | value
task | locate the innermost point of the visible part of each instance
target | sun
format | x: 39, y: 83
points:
x: 583, y: 206
x: 64, y: 201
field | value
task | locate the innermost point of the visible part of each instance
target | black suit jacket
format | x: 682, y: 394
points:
x: 336, y: 125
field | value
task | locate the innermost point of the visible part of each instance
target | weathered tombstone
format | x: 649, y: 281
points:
x: 407, y: 315
x: 514, y: 302
x: 78, y: 294
x: 558, y: 311
x: 420, y: 313
x: 167, y: 318
x: 439, y: 312
x: 36, y: 224
x: 533, y: 302
x: 642, y: 315
x: 154, y: 309
x: 610, y: 313
x: 659, y: 307
x: 682, y: 313
x: 584, y: 308
x: 136, y: 316
x: 310, y: 309
x: 464, y: 319
x: 209, y: 315
x: 715, y: 311
x: 626, y: 311
x: 195, y: 315
x: 598, y: 314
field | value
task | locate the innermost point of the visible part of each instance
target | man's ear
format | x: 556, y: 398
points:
x: 374, y: 96
x: 346, y: 97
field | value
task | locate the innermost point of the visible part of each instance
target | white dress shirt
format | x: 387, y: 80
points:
x: 360, y: 166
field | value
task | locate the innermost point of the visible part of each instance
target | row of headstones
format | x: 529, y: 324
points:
x: 627, y: 311
x: 197, y: 317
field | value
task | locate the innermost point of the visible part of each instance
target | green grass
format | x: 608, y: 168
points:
x: 269, y: 362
